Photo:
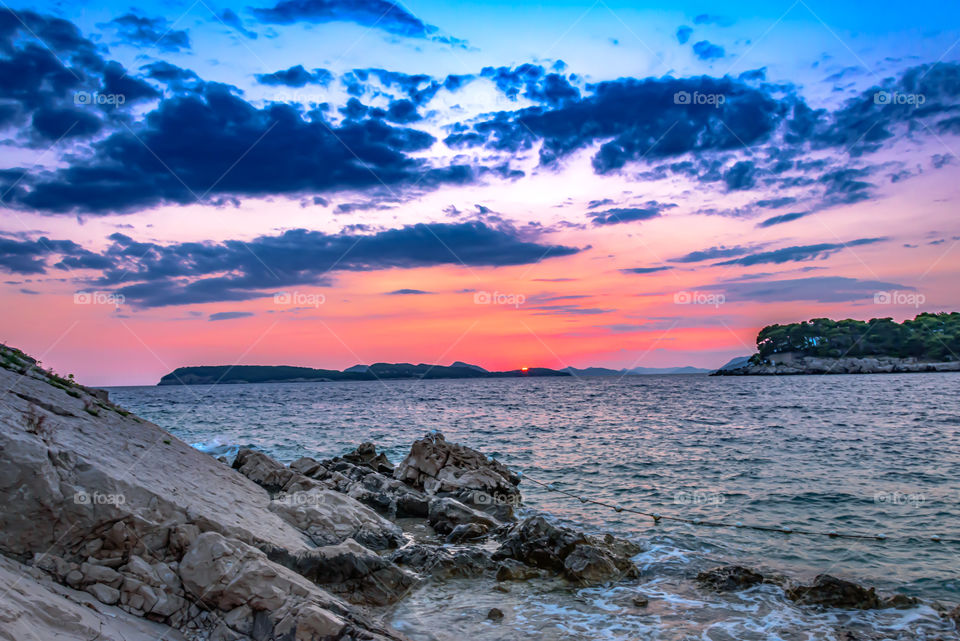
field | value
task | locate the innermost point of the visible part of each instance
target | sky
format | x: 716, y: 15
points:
x: 332, y: 182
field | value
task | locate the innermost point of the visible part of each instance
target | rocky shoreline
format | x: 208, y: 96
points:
x: 131, y: 534
x: 790, y: 364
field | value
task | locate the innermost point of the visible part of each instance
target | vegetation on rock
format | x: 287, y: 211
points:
x: 928, y: 337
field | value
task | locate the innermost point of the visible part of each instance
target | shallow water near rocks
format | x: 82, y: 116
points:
x: 859, y: 454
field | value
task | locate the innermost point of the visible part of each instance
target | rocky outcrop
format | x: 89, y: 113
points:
x: 366, y: 455
x: 127, y: 533
x: 438, y: 467
x: 730, y: 578
x: 791, y: 364
x: 829, y: 591
x: 35, y: 607
x: 445, y: 562
x: 580, y: 558
x: 126, y: 520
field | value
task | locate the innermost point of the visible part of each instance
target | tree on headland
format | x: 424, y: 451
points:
x: 930, y: 337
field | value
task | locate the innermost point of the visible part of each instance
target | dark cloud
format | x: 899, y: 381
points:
x: 380, y: 14
x: 175, y: 77
x: 683, y: 34
x: 617, y: 215
x: 214, y: 143
x: 219, y: 316
x: 533, y: 82
x: 419, y: 88
x: 921, y: 93
x: 24, y: 256
x: 633, y: 119
x: 712, y: 254
x: 186, y: 273
x: 645, y: 270
x: 783, y: 218
x: 407, y: 292
x: 402, y: 112
x: 152, y: 32
x: 754, y: 75
x: 52, y: 79
x: 775, y: 203
x: 706, y: 50
x: 600, y: 202
x: 56, y: 123
x: 231, y: 19
x: 822, y: 289
x: 568, y: 310
x: 296, y: 76
x: 799, y: 253
x: 740, y: 176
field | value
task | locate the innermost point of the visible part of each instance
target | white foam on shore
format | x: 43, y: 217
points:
x: 216, y: 448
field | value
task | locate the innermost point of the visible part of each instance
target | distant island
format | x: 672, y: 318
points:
x: 238, y: 374
x: 635, y: 371
x: 928, y: 343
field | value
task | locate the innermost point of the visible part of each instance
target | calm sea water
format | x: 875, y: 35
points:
x: 859, y: 454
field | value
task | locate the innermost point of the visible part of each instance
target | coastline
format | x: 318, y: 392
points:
x: 131, y: 527
x: 789, y: 364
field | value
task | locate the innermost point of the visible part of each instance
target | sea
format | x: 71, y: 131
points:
x: 854, y: 454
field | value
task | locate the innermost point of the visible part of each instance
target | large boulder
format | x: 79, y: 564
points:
x: 232, y: 577
x: 446, y: 514
x: 444, y: 562
x: 352, y: 571
x: 435, y: 465
x: 329, y: 518
x: 583, y: 559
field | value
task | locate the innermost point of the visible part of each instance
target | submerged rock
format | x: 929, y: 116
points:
x: 730, y: 578
x: 582, y: 559
x: 836, y: 593
x: 444, y: 562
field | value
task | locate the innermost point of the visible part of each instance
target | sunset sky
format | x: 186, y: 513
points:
x: 333, y: 182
